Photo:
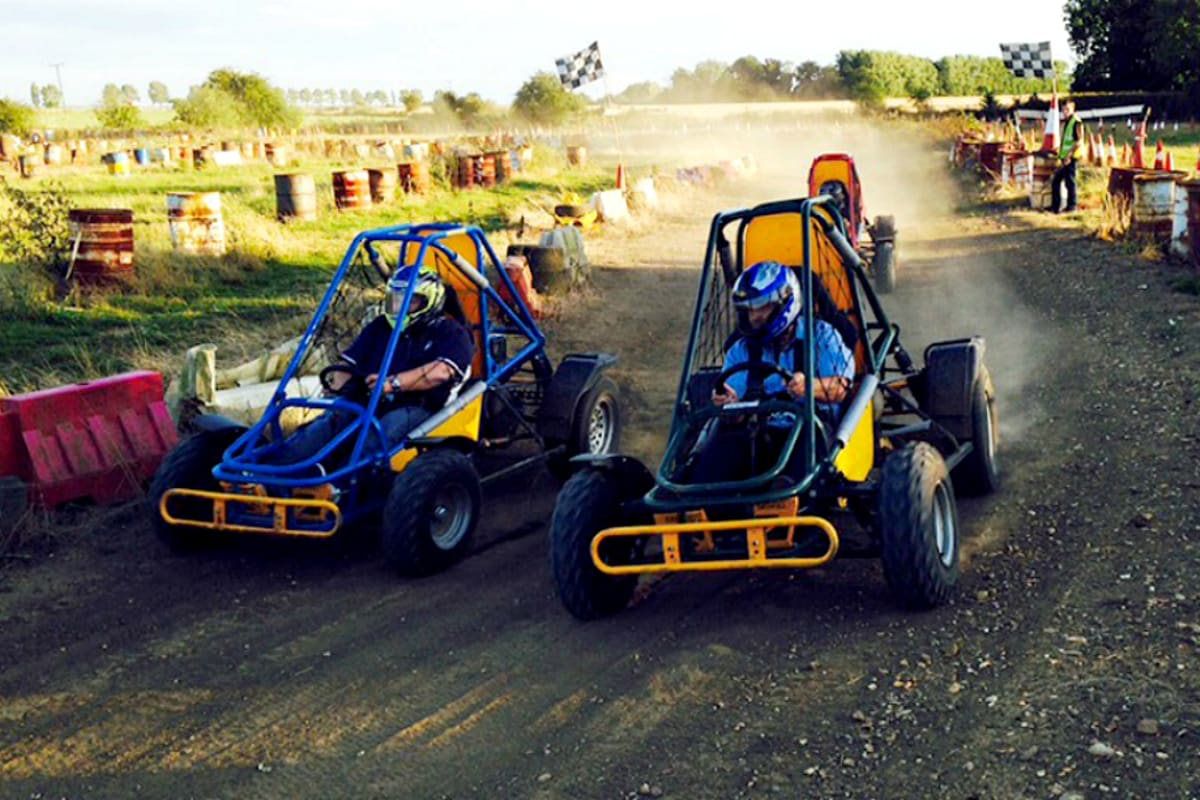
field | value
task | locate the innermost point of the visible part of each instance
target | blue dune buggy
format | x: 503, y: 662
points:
x: 424, y: 492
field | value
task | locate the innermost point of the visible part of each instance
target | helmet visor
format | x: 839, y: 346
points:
x: 395, y: 300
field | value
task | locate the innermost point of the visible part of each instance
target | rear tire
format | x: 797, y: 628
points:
x: 570, y: 210
x: 978, y: 473
x: 431, y: 512
x: 595, y: 428
x: 587, y: 504
x: 189, y: 466
x: 919, y: 527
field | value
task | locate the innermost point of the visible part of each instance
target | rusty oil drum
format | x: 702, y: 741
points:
x: 383, y: 185
x: 503, y: 162
x: 195, y: 222
x: 577, y: 155
x: 1040, y: 185
x: 105, y: 244
x: 295, y: 197
x: 414, y: 177
x: 467, y: 174
x: 352, y: 189
x: 1154, y: 205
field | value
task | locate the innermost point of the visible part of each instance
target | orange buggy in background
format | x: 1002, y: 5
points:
x: 834, y: 174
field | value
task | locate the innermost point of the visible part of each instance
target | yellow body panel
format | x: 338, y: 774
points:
x: 832, y: 170
x: 778, y: 237
x: 856, y: 460
x: 464, y: 424
x: 464, y: 288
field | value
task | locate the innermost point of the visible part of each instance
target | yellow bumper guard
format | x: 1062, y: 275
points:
x: 772, y: 529
x: 317, y: 509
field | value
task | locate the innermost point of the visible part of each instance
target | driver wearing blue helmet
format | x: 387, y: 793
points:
x: 432, y: 359
x: 768, y: 301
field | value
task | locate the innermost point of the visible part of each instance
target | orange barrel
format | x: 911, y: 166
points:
x: 383, y: 185
x: 195, y: 222
x: 504, y: 169
x: 990, y: 158
x: 414, y: 177
x: 105, y: 251
x: 1018, y: 168
x: 577, y: 155
x: 186, y: 157
x: 352, y: 189
x: 486, y: 166
x: 1192, y: 187
x: 466, y: 172
x: 1153, y: 206
x: 28, y: 164
x: 279, y: 155
x: 295, y: 197
x: 203, y: 156
x: 1039, y: 184
x: 9, y: 145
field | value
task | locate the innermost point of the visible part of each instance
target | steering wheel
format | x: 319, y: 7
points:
x: 764, y: 368
x: 355, y: 385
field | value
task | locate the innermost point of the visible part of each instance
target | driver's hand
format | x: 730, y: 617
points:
x: 798, y: 386
x: 724, y: 397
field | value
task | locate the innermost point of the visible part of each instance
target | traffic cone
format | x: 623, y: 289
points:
x: 1168, y: 164
x: 1091, y: 150
x: 1050, y: 136
x: 620, y: 177
x: 1112, y: 151
x: 1139, y: 147
x: 1158, y: 156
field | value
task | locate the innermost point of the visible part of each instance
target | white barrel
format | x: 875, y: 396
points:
x: 196, y: 224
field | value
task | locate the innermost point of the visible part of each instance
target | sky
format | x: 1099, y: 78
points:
x: 472, y: 46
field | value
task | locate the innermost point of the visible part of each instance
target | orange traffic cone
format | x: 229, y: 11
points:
x: 620, y: 177
x: 1158, y: 155
x: 1139, y: 147
x: 1091, y: 150
x: 1112, y: 151
x: 1050, y: 135
x: 1168, y: 164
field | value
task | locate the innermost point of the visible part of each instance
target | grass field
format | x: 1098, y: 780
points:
x: 260, y: 293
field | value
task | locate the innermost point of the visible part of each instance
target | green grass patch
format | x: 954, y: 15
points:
x: 260, y: 293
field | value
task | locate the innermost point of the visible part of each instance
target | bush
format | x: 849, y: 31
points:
x: 15, y: 118
x: 120, y: 116
x: 33, y: 226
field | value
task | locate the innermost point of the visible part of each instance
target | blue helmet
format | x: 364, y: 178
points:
x: 767, y: 282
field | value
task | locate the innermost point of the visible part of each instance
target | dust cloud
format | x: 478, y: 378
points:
x: 956, y: 271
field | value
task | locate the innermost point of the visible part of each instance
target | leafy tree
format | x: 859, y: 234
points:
x: 120, y: 116
x: 644, y: 92
x: 15, y: 118
x: 34, y: 228
x: 51, y: 96
x: 356, y: 97
x: 344, y: 97
x: 811, y: 80
x: 412, y: 99
x: 256, y: 102
x: 206, y: 107
x: 157, y: 92
x: 35, y: 95
x: 130, y: 93
x: 1135, y: 44
x: 306, y: 96
x: 111, y: 94
x: 543, y: 99
x: 870, y: 76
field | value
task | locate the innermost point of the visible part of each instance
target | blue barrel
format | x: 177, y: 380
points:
x: 142, y: 155
x: 118, y: 163
x: 514, y: 158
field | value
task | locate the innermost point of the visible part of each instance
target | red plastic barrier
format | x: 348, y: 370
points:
x: 100, y: 439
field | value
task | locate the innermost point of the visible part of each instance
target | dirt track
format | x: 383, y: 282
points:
x: 279, y: 671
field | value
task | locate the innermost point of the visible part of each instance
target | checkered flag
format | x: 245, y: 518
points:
x: 582, y: 67
x: 1031, y: 60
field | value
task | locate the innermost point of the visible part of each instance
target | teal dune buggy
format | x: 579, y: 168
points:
x: 874, y: 477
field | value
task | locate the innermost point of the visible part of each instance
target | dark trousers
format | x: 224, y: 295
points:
x: 727, y: 454
x: 1063, y: 175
